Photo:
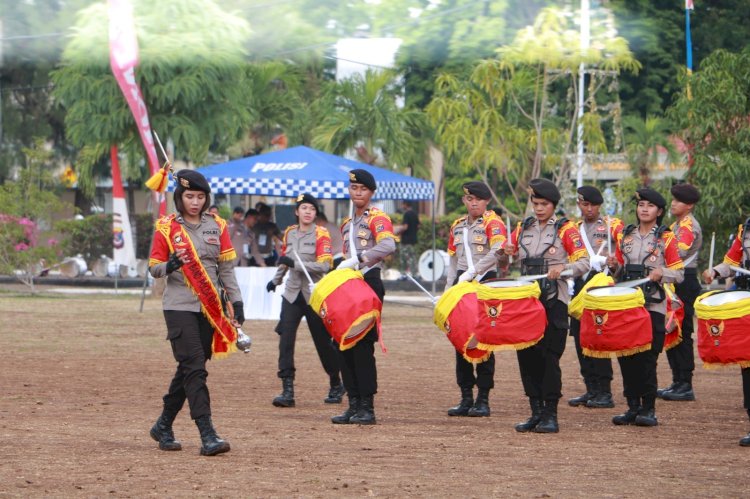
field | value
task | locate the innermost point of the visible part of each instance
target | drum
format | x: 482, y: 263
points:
x: 575, y: 307
x: 430, y: 263
x: 510, y: 315
x: 456, y: 314
x: 347, y: 305
x: 724, y: 328
x: 614, y: 322
x: 673, y: 319
x: 73, y: 267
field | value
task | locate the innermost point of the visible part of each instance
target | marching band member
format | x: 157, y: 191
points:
x: 546, y: 245
x: 374, y: 240
x: 647, y: 249
x: 598, y: 233
x: 313, y: 246
x: 486, y: 235
x: 687, y: 232
x: 738, y: 256
x: 193, y: 250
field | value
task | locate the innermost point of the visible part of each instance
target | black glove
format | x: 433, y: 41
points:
x: 270, y: 287
x: 173, y: 263
x: 285, y: 260
x: 336, y: 262
x: 239, y: 312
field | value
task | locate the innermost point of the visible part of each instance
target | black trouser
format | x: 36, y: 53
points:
x: 639, y: 370
x: 358, y: 368
x: 191, y: 335
x: 681, y: 357
x: 485, y: 371
x: 291, y: 316
x: 746, y: 386
x: 540, y: 364
x: 596, y: 372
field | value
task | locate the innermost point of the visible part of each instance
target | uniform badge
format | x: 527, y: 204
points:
x: 362, y: 233
x: 184, y: 182
x: 379, y: 227
x: 478, y: 239
x: 496, y: 231
x: 627, y: 240
x: 480, y: 248
x: 178, y: 239
x: 652, y: 258
x: 552, y: 251
x: 577, y: 243
x: 601, y: 228
x: 363, y: 242
x: 352, y: 177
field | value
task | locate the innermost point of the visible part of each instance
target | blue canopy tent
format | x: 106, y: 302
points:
x: 301, y: 169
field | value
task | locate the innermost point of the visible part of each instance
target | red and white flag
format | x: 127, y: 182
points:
x: 122, y: 234
x: 689, y: 5
x: 123, y: 58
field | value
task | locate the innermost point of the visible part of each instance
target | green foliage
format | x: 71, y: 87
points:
x: 91, y: 237
x: 714, y: 120
x: 192, y: 74
x: 645, y: 141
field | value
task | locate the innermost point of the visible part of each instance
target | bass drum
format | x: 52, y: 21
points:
x: 73, y: 267
x: 433, y: 263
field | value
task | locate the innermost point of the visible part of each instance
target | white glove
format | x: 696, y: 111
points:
x: 312, y: 287
x: 349, y: 263
x: 467, y: 276
x: 598, y: 262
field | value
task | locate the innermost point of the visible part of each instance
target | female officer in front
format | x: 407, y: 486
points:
x: 192, y: 248
x: 646, y: 249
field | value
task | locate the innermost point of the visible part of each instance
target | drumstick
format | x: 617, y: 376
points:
x: 632, y: 284
x: 352, y: 247
x: 302, y: 266
x: 467, y: 250
x: 508, y: 230
x: 421, y: 287
x: 711, y: 254
x: 564, y: 273
x: 739, y: 270
x: 609, y: 236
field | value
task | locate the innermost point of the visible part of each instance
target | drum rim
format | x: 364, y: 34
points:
x: 724, y: 292
x: 489, y: 283
x: 620, y: 291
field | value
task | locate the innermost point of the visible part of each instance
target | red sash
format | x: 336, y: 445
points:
x: 198, y: 281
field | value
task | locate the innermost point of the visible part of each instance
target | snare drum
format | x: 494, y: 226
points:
x: 673, y: 319
x: 575, y: 307
x: 347, y: 305
x: 724, y: 328
x: 614, y: 322
x: 510, y: 315
x: 456, y: 314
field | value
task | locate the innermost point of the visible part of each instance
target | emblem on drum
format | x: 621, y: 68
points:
x: 600, y: 320
x: 323, y: 311
x: 716, y: 330
x: 493, y: 311
x: 447, y: 326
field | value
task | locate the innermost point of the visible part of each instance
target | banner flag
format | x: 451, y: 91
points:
x: 122, y: 234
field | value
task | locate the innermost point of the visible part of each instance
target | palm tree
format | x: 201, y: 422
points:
x: 363, y: 115
x: 645, y: 140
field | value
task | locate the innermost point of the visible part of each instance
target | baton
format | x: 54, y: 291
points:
x: 711, y: 255
x: 433, y: 298
x: 161, y: 147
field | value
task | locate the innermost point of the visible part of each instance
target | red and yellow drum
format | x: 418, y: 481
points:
x: 674, y: 317
x: 614, y: 322
x: 348, y: 306
x: 456, y: 314
x: 575, y: 307
x: 511, y: 317
x: 724, y: 328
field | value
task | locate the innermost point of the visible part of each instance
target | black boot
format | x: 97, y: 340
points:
x: 286, y: 399
x: 683, y: 391
x: 211, y: 443
x: 536, y: 416
x: 647, y: 414
x: 162, y: 432
x: 548, y: 423
x: 336, y: 393
x: 366, y: 412
x: 481, y: 407
x: 602, y: 400
x: 346, y: 416
x: 745, y: 441
x: 583, y: 399
x: 661, y: 391
x: 628, y: 417
x: 463, y: 407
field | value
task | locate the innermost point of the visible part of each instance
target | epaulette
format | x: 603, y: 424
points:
x: 528, y: 222
x: 628, y: 229
x: 291, y: 227
x: 321, y: 231
x: 458, y: 220
x: 219, y: 221
x: 346, y: 221
x: 560, y: 224
x: 661, y: 230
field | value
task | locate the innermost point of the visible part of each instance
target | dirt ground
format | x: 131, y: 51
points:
x: 82, y: 380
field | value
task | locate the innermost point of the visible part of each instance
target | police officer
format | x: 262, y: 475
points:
x: 687, y: 231
x: 596, y: 234
x: 486, y: 233
x: 647, y: 249
x: 546, y: 245
x: 312, y: 244
x: 373, y: 240
x: 738, y: 256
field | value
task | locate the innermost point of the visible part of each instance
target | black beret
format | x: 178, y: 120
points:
x: 686, y: 193
x: 191, y: 180
x: 360, y: 176
x: 543, y: 188
x: 591, y: 194
x: 477, y: 189
x: 650, y: 195
x: 251, y: 212
x: 307, y: 198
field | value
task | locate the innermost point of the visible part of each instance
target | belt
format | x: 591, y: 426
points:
x: 691, y: 272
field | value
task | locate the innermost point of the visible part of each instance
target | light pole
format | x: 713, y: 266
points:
x: 585, y: 42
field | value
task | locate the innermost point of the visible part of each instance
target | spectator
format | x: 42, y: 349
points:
x: 236, y: 229
x: 408, y: 231
x: 213, y: 209
x: 267, y: 235
x: 250, y: 253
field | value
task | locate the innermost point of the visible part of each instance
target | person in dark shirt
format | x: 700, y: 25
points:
x: 267, y: 235
x: 408, y: 232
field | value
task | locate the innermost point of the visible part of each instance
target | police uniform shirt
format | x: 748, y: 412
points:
x: 737, y: 254
x: 314, y: 248
x: 596, y: 232
x: 373, y: 236
x: 210, y: 238
x: 561, y: 246
x: 687, y: 232
x: 486, y: 235
x: 635, y: 249
x: 237, y: 233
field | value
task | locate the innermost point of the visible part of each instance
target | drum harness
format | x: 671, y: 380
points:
x: 538, y: 265
x: 742, y: 281
x: 640, y: 270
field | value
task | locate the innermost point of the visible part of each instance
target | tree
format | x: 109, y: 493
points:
x: 192, y: 76
x: 646, y: 140
x: 715, y: 123
x: 364, y: 115
x: 27, y: 205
